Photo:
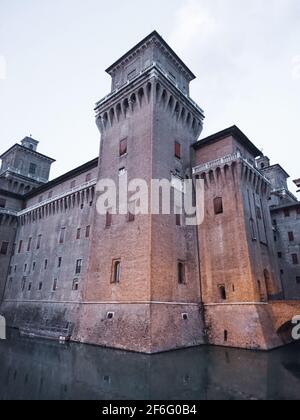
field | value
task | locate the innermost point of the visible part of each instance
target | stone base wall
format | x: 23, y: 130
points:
x: 250, y: 326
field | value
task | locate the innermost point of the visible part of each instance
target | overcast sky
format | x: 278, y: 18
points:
x: 53, y: 54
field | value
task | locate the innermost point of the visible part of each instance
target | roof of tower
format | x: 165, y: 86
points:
x: 30, y: 139
x: 233, y: 131
x: 19, y: 146
x: 153, y: 37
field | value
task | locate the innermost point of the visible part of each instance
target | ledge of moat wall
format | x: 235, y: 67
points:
x: 139, y: 327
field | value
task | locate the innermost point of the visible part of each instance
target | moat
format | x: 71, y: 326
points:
x: 43, y: 370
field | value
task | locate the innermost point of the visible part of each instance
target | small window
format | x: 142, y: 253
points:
x: 75, y: 285
x: 222, y: 291
x: 286, y: 213
x: 123, y: 147
x: 20, y: 247
x: 50, y: 194
x: 62, y: 235
x: 39, y: 240
x: 45, y: 264
x: 40, y: 286
x: 9, y: 270
x: 33, y: 266
x: 131, y: 212
x: 298, y: 279
x: 218, y: 205
x: 181, y: 272
x: 225, y: 336
x: 295, y: 259
x: 59, y: 262
x: 29, y: 244
x: 4, y: 248
x: 291, y: 236
x: 23, y: 284
x: 32, y: 169
x: 177, y: 150
x: 25, y: 268
x: 54, y: 287
x: 274, y: 222
x: 29, y: 287
x: 78, y: 267
x: 87, y: 231
x: 178, y: 218
x: 73, y: 184
x: 110, y: 315
x: 88, y: 177
x: 253, y: 230
x: 279, y: 254
x: 122, y: 171
x: 116, y: 272
x: 108, y: 221
x: 41, y: 198
x: 185, y: 317
x: 78, y: 233
x: 2, y: 203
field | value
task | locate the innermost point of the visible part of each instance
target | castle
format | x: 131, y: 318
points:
x: 151, y: 283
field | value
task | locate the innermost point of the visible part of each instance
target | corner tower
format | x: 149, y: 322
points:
x: 142, y: 290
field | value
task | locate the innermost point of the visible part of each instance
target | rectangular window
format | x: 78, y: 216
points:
x: 20, y: 247
x: 39, y: 240
x: 59, y: 262
x: 295, y: 259
x: 33, y: 266
x: 108, y: 222
x: 279, y: 254
x: 131, y: 212
x: 181, y: 272
x: 218, y: 205
x: 75, y: 285
x: 25, y: 268
x: 291, y: 236
x: 40, y: 286
x: 123, y: 147
x: 23, y: 283
x: 177, y: 150
x: 73, y: 184
x: 9, y: 270
x: 78, y: 266
x: 88, y: 177
x: 178, y: 219
x: 78, y: 233
x: 286, y: 213
x: 87, y: 231
x: 54, y: 288
x: 2, y: 203
x: 116, y: 272
x: 298, y: 280
x: 45, y: 264
x: 62, y: 235
x: 32, y: 169
x: 4, y: 248
x: 29, y: 287
x: 258, y: 213
x: 40, y: 198
x: 29, y: 244
x: 50, y: 194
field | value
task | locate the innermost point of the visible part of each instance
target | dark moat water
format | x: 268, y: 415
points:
x: 36, y: 369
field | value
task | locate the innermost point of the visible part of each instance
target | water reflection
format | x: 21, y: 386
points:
x: 34, y: 369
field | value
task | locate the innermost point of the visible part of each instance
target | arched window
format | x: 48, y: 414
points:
x: 218, y: 205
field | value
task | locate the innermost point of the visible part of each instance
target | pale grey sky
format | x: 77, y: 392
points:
x: 246, y: 56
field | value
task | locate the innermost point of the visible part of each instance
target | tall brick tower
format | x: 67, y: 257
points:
x: 142, y: 290
x: 239, y: 268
